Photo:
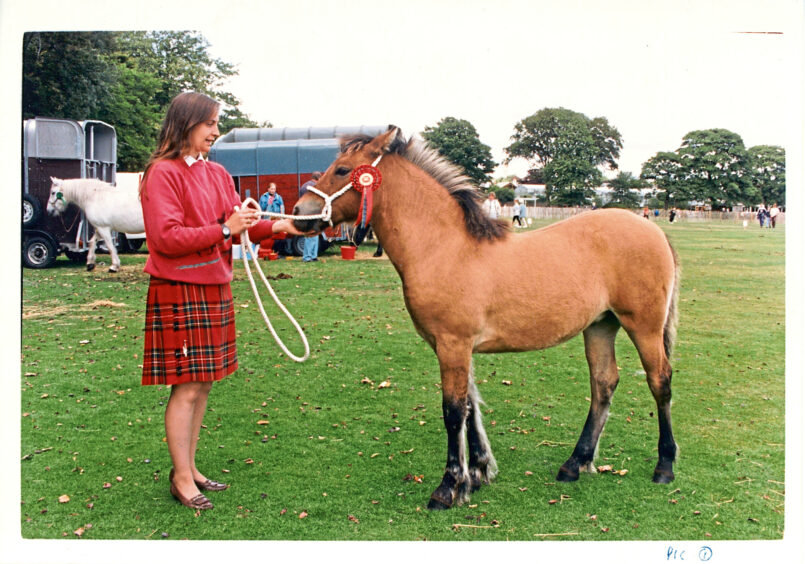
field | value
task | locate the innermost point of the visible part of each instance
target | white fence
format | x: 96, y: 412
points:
x: 681, y: 215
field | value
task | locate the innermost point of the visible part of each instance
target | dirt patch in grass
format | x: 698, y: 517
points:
x: 50, y: 310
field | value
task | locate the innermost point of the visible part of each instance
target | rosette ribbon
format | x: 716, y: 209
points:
x: 365, y: 179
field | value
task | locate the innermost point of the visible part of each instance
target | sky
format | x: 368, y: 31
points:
x: 655, y: 69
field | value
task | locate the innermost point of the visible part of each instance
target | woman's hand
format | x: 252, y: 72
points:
x: 243, y: 219
x: 287, y: 226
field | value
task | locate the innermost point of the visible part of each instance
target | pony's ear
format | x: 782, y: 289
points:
x: 380, y: 145
x: 55, y: 181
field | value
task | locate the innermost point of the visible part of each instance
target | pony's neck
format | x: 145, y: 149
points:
x: 414, y: 214
x: 73, y: 193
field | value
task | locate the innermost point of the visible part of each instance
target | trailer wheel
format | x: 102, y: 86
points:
x: 298, y: 246
x: 135, y: 244
x: 31, y: 210
x: 121, y: 243
x: 38, y: 252
x: 324, y: 243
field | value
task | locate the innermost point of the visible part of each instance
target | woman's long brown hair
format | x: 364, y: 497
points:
x: 186, y: 111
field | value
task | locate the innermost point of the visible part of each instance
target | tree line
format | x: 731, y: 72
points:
x: 569, y: 153
x: 127, y: 79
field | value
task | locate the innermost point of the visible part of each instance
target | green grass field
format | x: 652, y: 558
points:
x: 349, y: 445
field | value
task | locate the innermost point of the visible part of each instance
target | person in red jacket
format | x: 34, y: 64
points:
x: 190, y: 225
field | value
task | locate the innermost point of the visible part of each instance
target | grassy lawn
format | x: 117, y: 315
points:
x: 349, y: 445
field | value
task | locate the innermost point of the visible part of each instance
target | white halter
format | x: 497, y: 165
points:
x: 325, y: 215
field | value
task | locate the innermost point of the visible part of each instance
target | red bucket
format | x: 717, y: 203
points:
x: 348, y: 253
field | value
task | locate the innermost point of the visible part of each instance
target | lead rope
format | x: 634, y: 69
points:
x: 325, y: 215
x: 246, y: 244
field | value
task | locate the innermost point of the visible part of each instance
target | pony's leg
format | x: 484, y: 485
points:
x: 91, y: 253
x: 650, y: 347
x: 482, y: 467
x: 599, y: 347
x: 106, y: 235
x: 454, y: 366
x: 658, y: 375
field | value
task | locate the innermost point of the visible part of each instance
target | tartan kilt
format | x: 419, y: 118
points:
x: 189, y: 333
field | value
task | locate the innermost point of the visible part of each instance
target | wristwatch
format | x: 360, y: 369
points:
x: 227, y: 233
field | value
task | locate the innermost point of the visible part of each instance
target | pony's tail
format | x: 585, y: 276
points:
x: 672, y: 319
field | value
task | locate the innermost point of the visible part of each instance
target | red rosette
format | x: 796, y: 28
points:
x: 366, y: 177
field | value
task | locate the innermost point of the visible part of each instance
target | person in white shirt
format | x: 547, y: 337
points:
x: 492, y: 206
x: 773, y: 213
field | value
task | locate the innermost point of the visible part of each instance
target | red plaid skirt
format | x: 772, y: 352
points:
x: 189, y: 333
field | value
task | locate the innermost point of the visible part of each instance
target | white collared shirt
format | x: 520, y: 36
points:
x: 190, y: 159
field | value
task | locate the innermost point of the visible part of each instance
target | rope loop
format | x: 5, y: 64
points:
x: 247, y: 248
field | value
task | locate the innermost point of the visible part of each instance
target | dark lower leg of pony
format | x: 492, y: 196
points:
x: 584, y: 453
x: 482, y: 464
x: 666, y: 446
x: 455, y: 485
x: 599, y: 347
x: 658, y: 375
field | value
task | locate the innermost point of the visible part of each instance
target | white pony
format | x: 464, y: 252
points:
x: 106, y: 207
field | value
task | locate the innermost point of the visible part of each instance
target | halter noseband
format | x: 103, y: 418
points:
x: 327, y: 210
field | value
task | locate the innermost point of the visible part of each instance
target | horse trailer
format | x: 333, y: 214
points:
x: 287, y: 156
x: 62, y: 148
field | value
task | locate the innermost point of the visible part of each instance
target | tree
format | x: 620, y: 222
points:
x: 178, y: 61
x: 767, y: 172
x: 534, y: 176
x: 625, y: 191
x: 714, y: 166
x: 457, y: 140
x: 126, y: 79
x: 131, y: 104
x: 504, y: 195
x: 663, y: 169
x: 65, y: 74
x: 569, y: 148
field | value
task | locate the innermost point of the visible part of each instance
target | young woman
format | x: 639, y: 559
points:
x: 190, y: 224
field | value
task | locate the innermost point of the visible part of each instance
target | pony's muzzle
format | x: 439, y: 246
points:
x: 306, y: 209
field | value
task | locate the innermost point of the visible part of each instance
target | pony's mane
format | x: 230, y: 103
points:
x: 447, y: 174
x: 92, y: 182
x: 79, y: 189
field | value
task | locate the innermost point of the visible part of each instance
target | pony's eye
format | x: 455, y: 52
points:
x: 342, y: 171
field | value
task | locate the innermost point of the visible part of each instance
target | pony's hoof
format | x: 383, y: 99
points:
x: 436, y: 505
x: 113, y: 270
x: 566, y: 475
x: 479, y: 477
x: 90, y: 267
x: 662, y: 477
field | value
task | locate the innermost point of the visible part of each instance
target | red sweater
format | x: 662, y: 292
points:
x: 183, y: 210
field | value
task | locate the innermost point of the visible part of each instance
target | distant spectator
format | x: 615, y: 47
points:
x: 311, y: 248
x: 492, y: 206
x: 271, y: 201
x: 761, y: 215
x: 516, y: 213
x: 773, y: 213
